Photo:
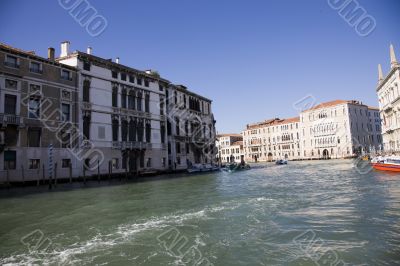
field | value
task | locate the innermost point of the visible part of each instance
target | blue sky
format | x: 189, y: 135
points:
x: 254, y: 59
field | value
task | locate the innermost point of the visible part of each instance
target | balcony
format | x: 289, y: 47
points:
x: 10, y: 119
x: 131, y: 145
x: 388, y: 107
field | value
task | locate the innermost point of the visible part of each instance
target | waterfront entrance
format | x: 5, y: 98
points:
x: 270, y: 158
x: 325, y: 154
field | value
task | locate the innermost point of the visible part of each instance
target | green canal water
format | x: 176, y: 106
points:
x: 305, y: 213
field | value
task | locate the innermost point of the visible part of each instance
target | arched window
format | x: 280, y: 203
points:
x: 132, y: 130
x: 123, y: 98
x: 115, y: 128
x: 131, y: 100
x: 124, y: 130
x: 86, y: 90
x: 115, y: 96
x: 148, y: 131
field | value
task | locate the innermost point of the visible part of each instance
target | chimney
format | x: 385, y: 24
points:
x: 50, y: 53
x: 65, y: 48
x: 89, y: 50
x: 117, y: 60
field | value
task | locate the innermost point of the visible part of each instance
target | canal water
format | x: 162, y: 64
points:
x: 304, y: 213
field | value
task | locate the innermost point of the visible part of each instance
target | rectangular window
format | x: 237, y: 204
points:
x: 10, y: 104
x: 34, y: 108
x: 148, y: 163
x: 139, y: 81
x: 65, y: 163
x: 11, y: 61
x: 114, y: 74
x: 10, y: 160
x: 65, y: 74
x: 86, y: 66
x: 123, y: 76
x: 34, y: 164
x: 66, y: 112
x: 34, y: 137
x: 35, y: 67
x: 146, y: 83
x: 131, y: 79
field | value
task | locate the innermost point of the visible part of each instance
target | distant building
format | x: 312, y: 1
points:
x: 230, y: 148
x: 339, y: 129
x: 190, y: 128
x: 388, y: 92
x: 272, y: 140
x: 38, y: 108
x: 336, y: 129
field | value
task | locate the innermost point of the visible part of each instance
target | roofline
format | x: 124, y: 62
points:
x: 179, y: 88
x: 30, y: 54
x: 388, y: 76
x: 82, y: 55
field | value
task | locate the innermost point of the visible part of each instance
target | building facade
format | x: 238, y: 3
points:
x: 230, y: 148
x: 272, y: 140
x: 38, y: 115
x: 190, y: 128
x: 80, y: 115
x: 336, y: 129
x: 388, y: 92
x: 339, y: 129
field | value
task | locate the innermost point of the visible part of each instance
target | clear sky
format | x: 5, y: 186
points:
x: 254, y: 59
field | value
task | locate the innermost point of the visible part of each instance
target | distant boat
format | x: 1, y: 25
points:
x: 389, y: 163
x: 281, y: 162
x: 233, y: 167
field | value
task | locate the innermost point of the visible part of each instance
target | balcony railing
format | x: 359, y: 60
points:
x: 131, y: 145
x: 10, y: 119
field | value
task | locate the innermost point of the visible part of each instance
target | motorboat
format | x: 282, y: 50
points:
x: 281, y: 162
x: 200, y: 168
x: 386, y: 163
x: 233, y: 167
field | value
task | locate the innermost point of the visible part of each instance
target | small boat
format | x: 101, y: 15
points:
x: 365, y: 157
x: 200, y: 168
x: 281, y: 162
x: 389, y: 163
x: 233, y: 167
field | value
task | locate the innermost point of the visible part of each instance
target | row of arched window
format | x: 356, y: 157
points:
x: 135, y: 130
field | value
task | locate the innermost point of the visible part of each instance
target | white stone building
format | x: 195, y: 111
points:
x: 190, y: 128
x: 339, y: 129
x: 272, y: 140
x: 388, y: 92
x: 120, y: 114
x: 230, y: 148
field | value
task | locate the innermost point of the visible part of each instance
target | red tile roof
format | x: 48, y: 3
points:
x: 237, y: 143
x: 333, y: 103
x: 229, y: 135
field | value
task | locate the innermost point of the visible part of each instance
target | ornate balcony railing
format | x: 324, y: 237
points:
x: 9, y: 119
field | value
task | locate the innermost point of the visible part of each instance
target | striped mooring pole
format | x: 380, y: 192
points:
x: 50, y: 164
